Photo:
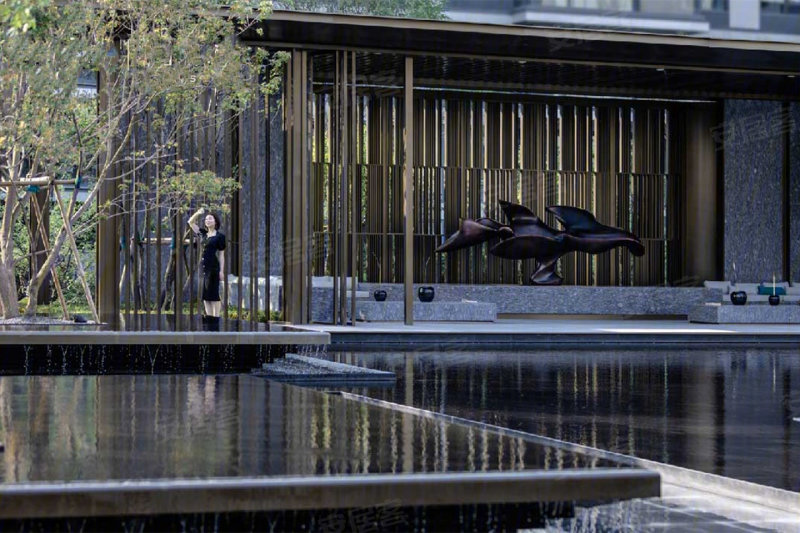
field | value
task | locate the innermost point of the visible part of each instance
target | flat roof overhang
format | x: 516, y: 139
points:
x: 539, y: 43
x: 473, y: 56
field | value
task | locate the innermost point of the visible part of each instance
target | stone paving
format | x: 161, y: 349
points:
x: 679, y: 509
x: 565, y: 326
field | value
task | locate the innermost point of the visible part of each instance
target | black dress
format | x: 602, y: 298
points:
x: 210, y: 264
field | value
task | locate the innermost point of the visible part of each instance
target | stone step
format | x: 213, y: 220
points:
x: 750, y: 313
x: 299, y: 369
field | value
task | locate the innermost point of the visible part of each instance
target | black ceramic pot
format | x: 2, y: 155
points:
x: 774, y: 299
x: 425, y: 294
x: 739, y: 298
x: 379, y: 295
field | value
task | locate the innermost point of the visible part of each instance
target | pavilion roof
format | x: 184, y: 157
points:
x: 470, y: 56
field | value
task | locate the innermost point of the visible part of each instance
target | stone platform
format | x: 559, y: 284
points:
x: 516, y: 300
x: 566, y: 299
x: 578, y: 334
x: 57, y: 351
x: 785, y: 313
x: 392, y: 311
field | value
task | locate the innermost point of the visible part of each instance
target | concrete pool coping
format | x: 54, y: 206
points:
x: 138, y: 338
x: 557, y: 332
x: 155, y: 497
x: 733, y: 489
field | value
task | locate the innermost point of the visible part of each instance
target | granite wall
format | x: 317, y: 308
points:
x: 794, y: 191
x: 563, y: 300
x: 253, y: 198
x: 753, y: 190
x: 272, y: 178
x: 276, y: 168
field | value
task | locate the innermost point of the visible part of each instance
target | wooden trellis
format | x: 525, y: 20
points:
x: 49, y: 185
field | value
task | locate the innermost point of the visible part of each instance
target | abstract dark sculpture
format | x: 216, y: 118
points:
x: 527, y: 237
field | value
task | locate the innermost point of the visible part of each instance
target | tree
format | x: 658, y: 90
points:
x: 19, y: 15
x: 164, y: 55
x: 420, y: 9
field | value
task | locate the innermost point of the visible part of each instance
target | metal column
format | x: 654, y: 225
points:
x: 296, y: 269
x: 408, y: 194
x: 107, y: 249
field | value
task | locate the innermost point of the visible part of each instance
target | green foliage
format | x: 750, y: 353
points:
x: 276, y: 63
x: 174, y: 52
x: 21, y: 16
x: 419, y: 9
x: 202, y: 188
x: 54, y: 309
x: 66, y: 264
x: 274, y: 316
x: 169, y: 62
x: 39, y: 73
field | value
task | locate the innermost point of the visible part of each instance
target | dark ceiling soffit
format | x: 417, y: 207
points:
x: 639, y: 50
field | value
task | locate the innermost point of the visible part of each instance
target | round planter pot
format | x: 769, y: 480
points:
x: 379, y: 295
x: 739, y: 298
x: 425, y: 294
x: 774, y: 299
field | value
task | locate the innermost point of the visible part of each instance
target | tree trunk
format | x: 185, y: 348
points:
x: 38, y: 277
x: 165, y: 299
x: 167, y: 294
x: 33, y: 291
x: 9, y: 305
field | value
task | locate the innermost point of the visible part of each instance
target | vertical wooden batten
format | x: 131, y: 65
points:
x: 355, y: 187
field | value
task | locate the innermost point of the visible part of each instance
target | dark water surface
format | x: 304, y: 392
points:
x: 156, y: 426
x: 728, y: 412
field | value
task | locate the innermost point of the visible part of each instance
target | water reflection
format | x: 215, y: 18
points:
x: 136, y: 427
x: 727, y: 412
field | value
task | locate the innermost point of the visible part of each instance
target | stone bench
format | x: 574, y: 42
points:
x: 393, y: 311
x: 713, y: 313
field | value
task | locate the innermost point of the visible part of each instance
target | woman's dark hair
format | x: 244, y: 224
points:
x: 217, y: 223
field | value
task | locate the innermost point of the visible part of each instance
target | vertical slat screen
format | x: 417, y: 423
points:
x: 160, y: 257
x: 618, y: 161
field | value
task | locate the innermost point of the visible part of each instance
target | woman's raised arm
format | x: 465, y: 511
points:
x: 193, y: 220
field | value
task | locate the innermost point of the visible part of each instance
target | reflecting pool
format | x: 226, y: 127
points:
x: 728, y: 412
x: 66, y: 428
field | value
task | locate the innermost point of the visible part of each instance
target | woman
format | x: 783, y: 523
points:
x: 212, y: 263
